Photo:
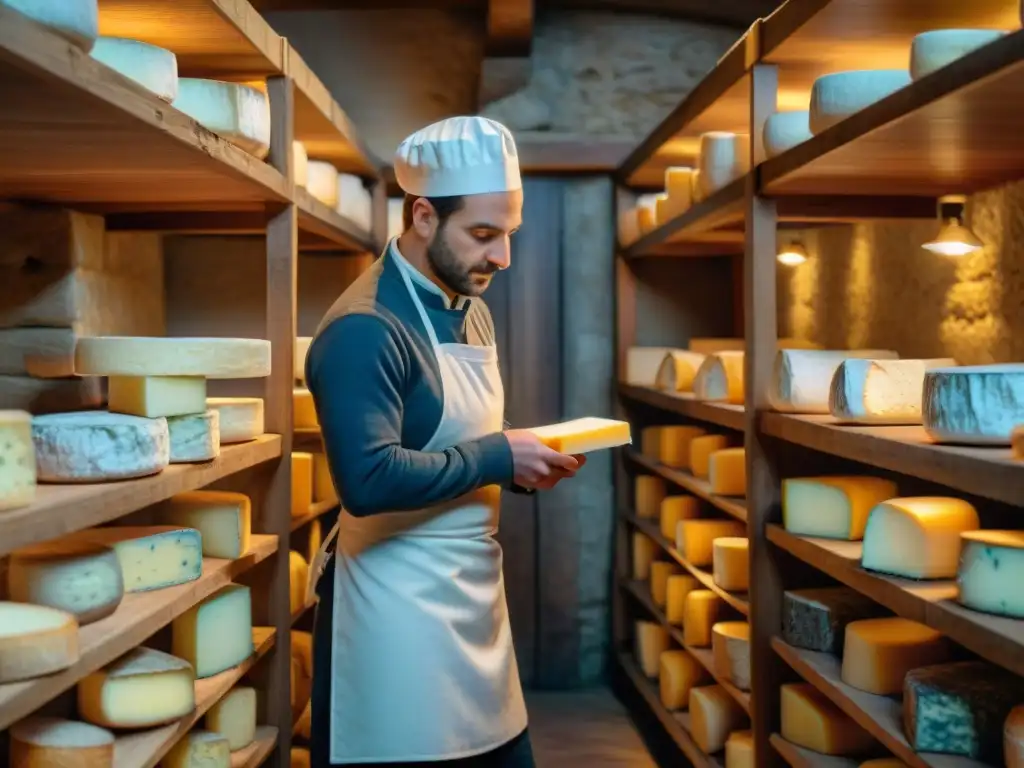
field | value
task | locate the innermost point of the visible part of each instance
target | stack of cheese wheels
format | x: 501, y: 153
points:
x: 236, y: 112
x: 158, y: 411
x: 155, y: 69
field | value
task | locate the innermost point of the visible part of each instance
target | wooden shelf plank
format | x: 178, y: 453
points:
x: 641, y: 592
x: 256, y: 753
x: 677, y: 724
x: 881, y: 716
x: 798, y: 757
x: 125, y: 149
x: 145, y: 749
x: 309, y: 440
x: 330, y: 227
x: 63, y: 509
x: 139, y: 616
x: 302, y: 611
x: 685, y: 404
x: 737, y: 600
x: 318, y: 509
x: 998, y: 639
x: 700, y: 488
x: 988, y: 472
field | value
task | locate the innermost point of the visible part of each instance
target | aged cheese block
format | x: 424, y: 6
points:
x: 234, y: 717
x: 835, y: 507
x: 731, y: 563
x: 651, y: 642
x: 49, y: 742
x: 730, y: 645
x: 74, y: 20
x: 674, y: 509
x: 739, y: 750
x: 696, y: 188
x: 973, y: 404
x: 727, y: 472
x: 816, y: 619
x: 678, y: 370
x: 92, y: 446
x: 660, y: 572
x: 155, y: 69
x: 304, y: 409
x: 195, y: 437
x: 302, y: 345
x: 695, y: 538
x: 584, y: 435
x: 42, y: 396
x: 878, y: 653
x: 836, y: 96
x: 80, y: 578
x: 1013, y: 738
x: 212, y: 358
x: 720, y: 378
x: 714, y: 714
x: 241, y: 418
x: 811, y: 721
x: 223, y: 519
x: 237, y: 113
x: 674, y: 448
x: 142, y: 689
x: 643, y: 364
x: 702, y: 611
x: 17, y: 460
x: 678, y: 674
x: 784, y: 130
x: 701, y: 449
x: 960, y: 709
x: 802, y: 378
x: 935, y: 49
x: 302, y: 483
x: 991, y: 572
x: 917, y: 538
x: 216, y: 634
x: 151, y: 557
x: 644, y: 550
x: 298, y: 576
x: 322, y: 182
x: 724, y: 157
x: 662, y: 212
x: 199, y: 749
x: 35, y: 640
x: 155, y: 396
x: 880, y: 391
x: 677, y: 588
x: 323, y: 483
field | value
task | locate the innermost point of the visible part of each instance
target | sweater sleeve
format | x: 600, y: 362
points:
x: 356, y: 372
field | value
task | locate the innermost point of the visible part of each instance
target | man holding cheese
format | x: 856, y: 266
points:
x: 413, y: 652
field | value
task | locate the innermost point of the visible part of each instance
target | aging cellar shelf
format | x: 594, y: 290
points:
x: 318, y: 510
x: 798, y: 757
x: 327, y: 229
x: 685, y: 404
x: 700, y: 488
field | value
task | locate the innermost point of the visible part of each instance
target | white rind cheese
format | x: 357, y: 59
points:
x: 211, y: 358
x: 300, y: 163
x: 195, y: 437
x: 642, y: 364
x: 354, y: 201
x: 933, y: 50
x: 835, y: 507
x: 155, y: 69
x: 678, y: 370
x: 237, y: 113
x: 241, y: 418
x: 92, y: 446
x: 49, y: 742
x: 74, y: 20
x: 223, y: 519
x: 80, y: 578
x: 802, y: 378
x: 973, y: 404
x: 234, y: 717
x: 322, y: 181
x: 836, y: 96
x: 880, y: 391
x: 991, y: 572
x: 35, y: 640
x: 18, y: 470
x: 720, y: 378
x: 724, y: 157
x: 153, y: 556
x: 784, y: 130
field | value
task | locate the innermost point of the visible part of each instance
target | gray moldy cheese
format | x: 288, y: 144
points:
x: 816, y: 619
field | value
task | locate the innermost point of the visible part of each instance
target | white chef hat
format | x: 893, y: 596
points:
x: 458, y: 156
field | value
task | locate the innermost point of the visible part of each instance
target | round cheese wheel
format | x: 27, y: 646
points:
x: 836, y: 96
x: 155, y: 69
x: 934, y: 50
x: 211, y: 358
x: 35, y: 640
x: 49, y: 742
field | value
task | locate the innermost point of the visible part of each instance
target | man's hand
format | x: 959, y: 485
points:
x: 536, y: 465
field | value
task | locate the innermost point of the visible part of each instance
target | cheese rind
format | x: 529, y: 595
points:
x: 155, y: 396
x: 195, y: 437
x: 731, y: 563
x: 322, y: 182
x: 298, y: 575
x: 991, y: 571
x: 302, y: 483
x: 675, y: 509
x: 584, y: 435
x: 802, y: 378
x: 651, y: 642
x: 836, y: 96
x: 49, y: 742
x: 730, y: 646
x: 811, y: 721
x: 660, y: 572
x: 234, y: 717
x: 880, y: 391
x: 151, y: 557
x: 879, y: 652
x: 701, y: 449
x: 739, y: 750
x: 679, y: 672
x: 80, y: 578
x: 216, y: 634
x: 702, y: 611
x: 199, y: 749
x: 678, y: 370
x: 239, y: 114
x: 695, y: 538
x: 917, y: 538
x: 720, y: 378
x: 142, y: 689
x: 677, y: 588
x: 833, y: 507
x: 212, y: 358
x: 933, y: 50
x: 74, y: 20
x: 18, y: 470
x: 35, y: 640
x: 304, y: 409
x: 714, y: 714
x: 973, y: 404
x: 727, y: 472
x: 644, y: 550
x: 241, y: 418
x: 223, y: 519
x: 155, y: 69
x: 91, y: 446
x: 784, y: 130
x: 816, y: 619
x: 674, y: 445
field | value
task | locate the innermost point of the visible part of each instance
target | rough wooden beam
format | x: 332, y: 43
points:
x: 509, y: 28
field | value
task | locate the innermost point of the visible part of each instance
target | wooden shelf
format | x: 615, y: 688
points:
x: 256, y: 753
x: 62, y: 509
x: 988, y: 472
x: 302, y: 612
x: 139, y: 615
x: 798, y: 757
x: 316, y: 511
x: 309, y: 440
x: 685, y: 404
x: 145, y: 749
x: 677, y: 724
x: 326, y: 229
x: 881, y: 716
x: 641, y: 592
x: 999, y: 639
x: 700, y: 488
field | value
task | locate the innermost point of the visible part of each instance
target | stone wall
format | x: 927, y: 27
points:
x: 872, y: 285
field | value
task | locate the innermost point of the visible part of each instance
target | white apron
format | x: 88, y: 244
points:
x: 423, y: 666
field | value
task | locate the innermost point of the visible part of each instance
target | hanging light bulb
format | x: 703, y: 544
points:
x: 954, y: 237
x: 793, y: 254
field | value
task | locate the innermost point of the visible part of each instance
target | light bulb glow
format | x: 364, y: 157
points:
x: 953, y: 239
x: 792, y: 255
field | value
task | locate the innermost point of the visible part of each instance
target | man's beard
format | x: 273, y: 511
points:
x: 459, y: 279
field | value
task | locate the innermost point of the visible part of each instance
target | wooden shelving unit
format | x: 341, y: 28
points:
x: 80, y: 135
x: 953, y: 131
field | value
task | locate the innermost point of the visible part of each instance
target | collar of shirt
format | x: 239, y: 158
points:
x: 424, y: 282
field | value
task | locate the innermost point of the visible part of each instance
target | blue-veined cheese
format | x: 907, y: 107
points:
x: 991, y: 572
x: 880, y: 391
x: 194, y: 437
x: 973, y: 404
x: 151, y: 557
x: 816, y: 619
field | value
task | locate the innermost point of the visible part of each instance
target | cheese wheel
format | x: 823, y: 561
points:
x: 239, y: 114
x: 49, y: 742
x: 651, y: 641
x: 304, y: 409
x: 714, y: 714
x: 973, y: 404
x: 212, y: 358
x: 223, y: 519
x: 322, y: 182
x: 730, y: 647
x: 195, y: 437
x: 74, y: 20
x: 677, y: 588
x: 991, y: 571
x: 18, y: 454
x: 643, y: 364
x: 724, y: 157
x: 80, y: 578
x: 678, y: 673
x: 678, y: 370
x: 155, y: 69
x: 199, y: 749
x: 836, y: 96
x: 802, y: 378
x: 674, y: 449
x: 142, y: 689
x: 695, y: 538
x: 880, y: 391
x: 701, y: 449
x: 731, y: 563
x: 679, y: 188
x: 674, y: 509
x: 650, y: 442
x: 702, y: 611
x: 834, y: 507
x: 936, y: 49
x: 644, y: 550
x: 727, y: 472
x: 784, y: 130
x: 241, y: 418
x: 302, y: 483
x: 35, y: 640
x: 660, y: 572
x: 300, y: 163
x: 720, y: 378
x: 878, y: 653
x: 812, y: 721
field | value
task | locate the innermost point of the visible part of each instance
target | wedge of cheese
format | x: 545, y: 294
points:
x: 720, y: 378
x: 834, y: 507
x: 802, y: 378
x: 677, y: 371
x: 991, y: 572
x: 880, y: 391
x: 584, y: 435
